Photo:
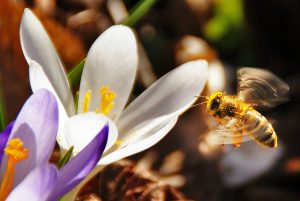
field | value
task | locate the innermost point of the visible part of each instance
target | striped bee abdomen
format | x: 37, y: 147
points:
x: 259, y: 129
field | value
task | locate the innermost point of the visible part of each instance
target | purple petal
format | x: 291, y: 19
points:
x: 36, y: 125
x: 37, y: 185
x: 4, y: 137
x: 81, y: 165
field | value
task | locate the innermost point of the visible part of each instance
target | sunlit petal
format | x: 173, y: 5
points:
x: 173, y: 93
x: 81, y: 129
x: 37, y: 46
x: 111, y: 62
x: 152, y: 136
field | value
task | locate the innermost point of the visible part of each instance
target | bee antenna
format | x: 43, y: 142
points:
x: 206, y: 97
x: 197, y: 104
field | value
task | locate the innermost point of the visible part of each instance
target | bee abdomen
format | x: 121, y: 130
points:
x: 258, y: 127
x: 268, y: 139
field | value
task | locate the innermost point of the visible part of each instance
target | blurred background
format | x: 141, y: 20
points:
x: 227, y: 33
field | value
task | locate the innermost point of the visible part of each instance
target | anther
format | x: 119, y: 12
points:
x: 107, y: 97
x: 15, y: 153
x: 86, y: 101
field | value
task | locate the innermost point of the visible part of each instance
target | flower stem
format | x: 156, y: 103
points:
x: 2, y: 113
x: 138, y: 11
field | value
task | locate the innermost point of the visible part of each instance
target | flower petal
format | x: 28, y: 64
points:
x: 3, y: 139
x: 144, y: 130
x: 173, y: 93
x: 39, y: 80
x: 37, y: 185
x: 81, y: 165
x: 247, y: 163
x: 112, y: 62
x: 150, y: 138
x: 143, y: 139
x: 37, y: 46
x: 81, y: 129
x: 36, y: 126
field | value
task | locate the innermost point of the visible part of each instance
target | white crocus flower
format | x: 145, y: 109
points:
x: 111, y: 65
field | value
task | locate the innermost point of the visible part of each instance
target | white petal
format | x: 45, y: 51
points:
x: 216, y: 74
x: 112, y: 62
x: 81, y: 129
x: 144, y: 130
x: 37, y: 46
x: 247, y: 163
x: 39, y: 80
x: 150, y: 138
x: 173, y: 93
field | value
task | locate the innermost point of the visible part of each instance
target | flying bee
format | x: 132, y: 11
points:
x: 237, y: 115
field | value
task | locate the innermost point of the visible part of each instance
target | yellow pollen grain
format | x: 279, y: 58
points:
x: 86, y: 101
x: 15, y: 153
x: 107, y: 97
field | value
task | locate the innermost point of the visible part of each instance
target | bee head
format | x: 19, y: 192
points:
x: 214, y: 102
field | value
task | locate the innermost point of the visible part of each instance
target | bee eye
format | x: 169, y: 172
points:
x: 215, y: 104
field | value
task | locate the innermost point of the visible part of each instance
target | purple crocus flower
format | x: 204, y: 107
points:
x: 34, y: 178
x: 3, y: 139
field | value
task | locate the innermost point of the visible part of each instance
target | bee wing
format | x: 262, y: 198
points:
x: 227, y: 137
x: 261, y: 88
x: 229, y: 133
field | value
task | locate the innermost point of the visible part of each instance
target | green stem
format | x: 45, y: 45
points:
x: 2, y: 113
x: 138, y: 11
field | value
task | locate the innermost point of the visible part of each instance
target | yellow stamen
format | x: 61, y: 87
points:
x: 15, y: 153
x: 107, y: 103
x: 118, y: 142
x: 126, y: 140
x: 86, y: 101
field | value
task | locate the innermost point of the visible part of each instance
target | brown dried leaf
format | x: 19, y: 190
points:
x: 121, y: 181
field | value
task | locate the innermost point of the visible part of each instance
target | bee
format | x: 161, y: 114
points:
x: 237, y: 115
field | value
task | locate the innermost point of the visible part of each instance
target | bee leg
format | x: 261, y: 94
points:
x: 236, y: 145
x: 238, y: 139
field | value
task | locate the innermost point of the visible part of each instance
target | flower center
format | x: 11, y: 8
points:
x: 107, y: 101
x: 15, y: 153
